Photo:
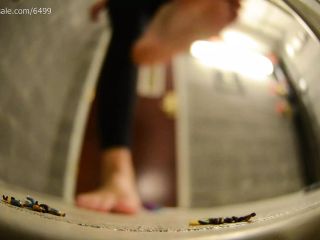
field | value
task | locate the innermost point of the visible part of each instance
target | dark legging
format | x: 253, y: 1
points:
x: 117, y: 83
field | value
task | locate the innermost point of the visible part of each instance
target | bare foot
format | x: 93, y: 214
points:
x: 178, y: 23
x: 118, y: 192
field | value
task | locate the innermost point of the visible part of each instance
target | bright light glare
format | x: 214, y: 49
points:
x: 296, y: 43
x: 290, y: 50
x: 230, y: 58
x: 239, y: 39
x: 303, y: 84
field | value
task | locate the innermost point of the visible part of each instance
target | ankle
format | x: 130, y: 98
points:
x: 116, y: 162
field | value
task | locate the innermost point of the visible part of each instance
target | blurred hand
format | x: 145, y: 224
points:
x: 96, y: 9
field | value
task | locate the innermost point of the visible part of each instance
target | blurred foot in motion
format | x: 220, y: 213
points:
x: 180, y: 22
x: 118, y: 192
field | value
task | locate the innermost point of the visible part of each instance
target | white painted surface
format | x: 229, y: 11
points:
x: 81, y: 118
x: 182, y: 134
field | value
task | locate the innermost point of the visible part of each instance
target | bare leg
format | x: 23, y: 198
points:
x: 118, y: 192
x: 180, y: 22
